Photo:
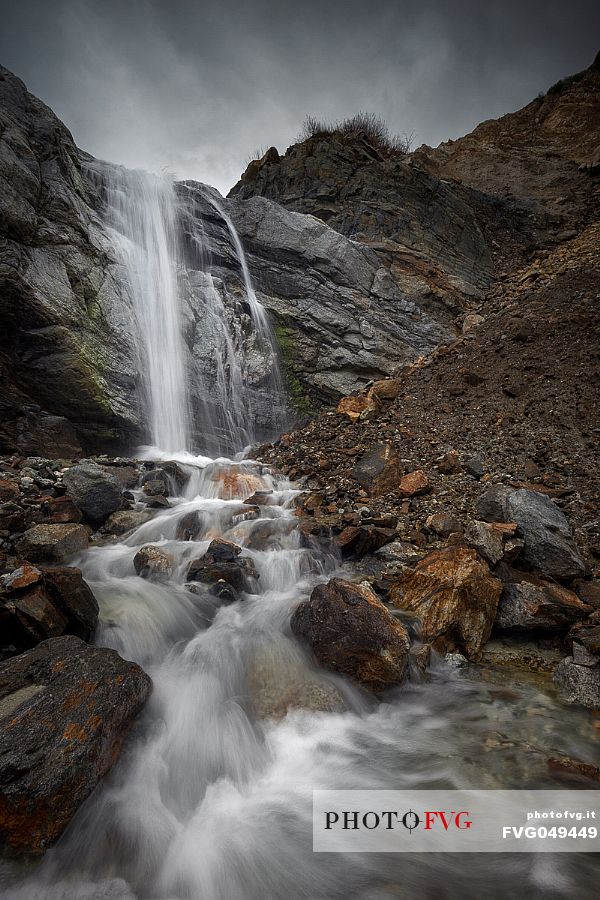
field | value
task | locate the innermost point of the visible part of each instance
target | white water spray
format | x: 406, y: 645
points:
x: 142, y: 214
x: 209, y: 389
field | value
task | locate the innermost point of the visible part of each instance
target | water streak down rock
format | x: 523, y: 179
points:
x: 75, y: 295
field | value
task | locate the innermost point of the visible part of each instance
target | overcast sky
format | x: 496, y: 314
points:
x: 197, y: 86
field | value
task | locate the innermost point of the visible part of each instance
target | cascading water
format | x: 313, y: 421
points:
x: 141, y: 211
x: 195, y: 353
x: 211, y: 799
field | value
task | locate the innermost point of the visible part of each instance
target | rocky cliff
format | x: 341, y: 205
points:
x: 343, y: 312
x: 446, y: 223
x: 365, y: 258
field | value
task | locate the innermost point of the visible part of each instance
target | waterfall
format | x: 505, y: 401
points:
x: 141, y: 212
x: 206, y: 357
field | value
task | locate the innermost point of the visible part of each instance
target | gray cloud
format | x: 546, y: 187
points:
x: 197, y: 87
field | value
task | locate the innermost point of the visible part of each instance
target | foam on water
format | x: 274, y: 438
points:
x: 211, y: 799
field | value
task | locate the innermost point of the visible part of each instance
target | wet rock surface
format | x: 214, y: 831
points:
x: 94, y: 489
x: 36, y: 604
x: 222, y: 563
x: 65, y: 710
x: 455, y: 598
x: 351, y: 632
x: 578, y: 683
x: 52, y: 543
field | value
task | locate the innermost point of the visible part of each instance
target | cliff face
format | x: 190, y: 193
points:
x: 342, y: 314
x: 64, y: 338
x: 541, y: 154
x: 365, y: 259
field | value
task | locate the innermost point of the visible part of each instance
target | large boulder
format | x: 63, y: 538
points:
x: 350, y: 631
x: 65, y: 709
x: 549, y: 547
x: 36, y: 604
x: 455, y: 597
x: 52, y: 543
x: 95, y: 490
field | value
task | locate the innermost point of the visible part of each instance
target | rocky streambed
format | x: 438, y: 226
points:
x: 191, y: 647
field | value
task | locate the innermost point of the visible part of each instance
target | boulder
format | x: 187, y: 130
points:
x: 154, y: 563
x: 578, y: 683
x: 549, y: 546
x: 491, y: 505
x: 36, y: 604
x: 60, y: 510
x: 414, y: 484
x: 125, y: 520
x: 378, y: 471
x: 454, y: 595
x: 356, y: 541
x: 385, y: 389
x: 351, y: 632
x: 528, y: 603
x: 52, y: 543
x: 222, y: 563
x: 94, y: 489
x: 65, y: 709
x: 355, y: 408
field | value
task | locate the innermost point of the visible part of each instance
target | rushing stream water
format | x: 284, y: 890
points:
x: 212, y: 796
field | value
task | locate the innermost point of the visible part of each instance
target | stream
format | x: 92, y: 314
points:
x: 212, y: 797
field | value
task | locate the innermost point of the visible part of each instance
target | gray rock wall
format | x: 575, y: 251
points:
x: 343, y: 312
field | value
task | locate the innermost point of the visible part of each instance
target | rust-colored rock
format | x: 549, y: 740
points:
x: 9, y: 490
x: 65, y: 709
x: 386, y: 389
x: 454, y: 595
x: 351, y: 632
x: 60, y: 510
x: 20, y: 578
x: 237, y: 484
x: 568, y: 767
x: 38, y: 604
x: 355, y: 408
x: 414, y: 484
